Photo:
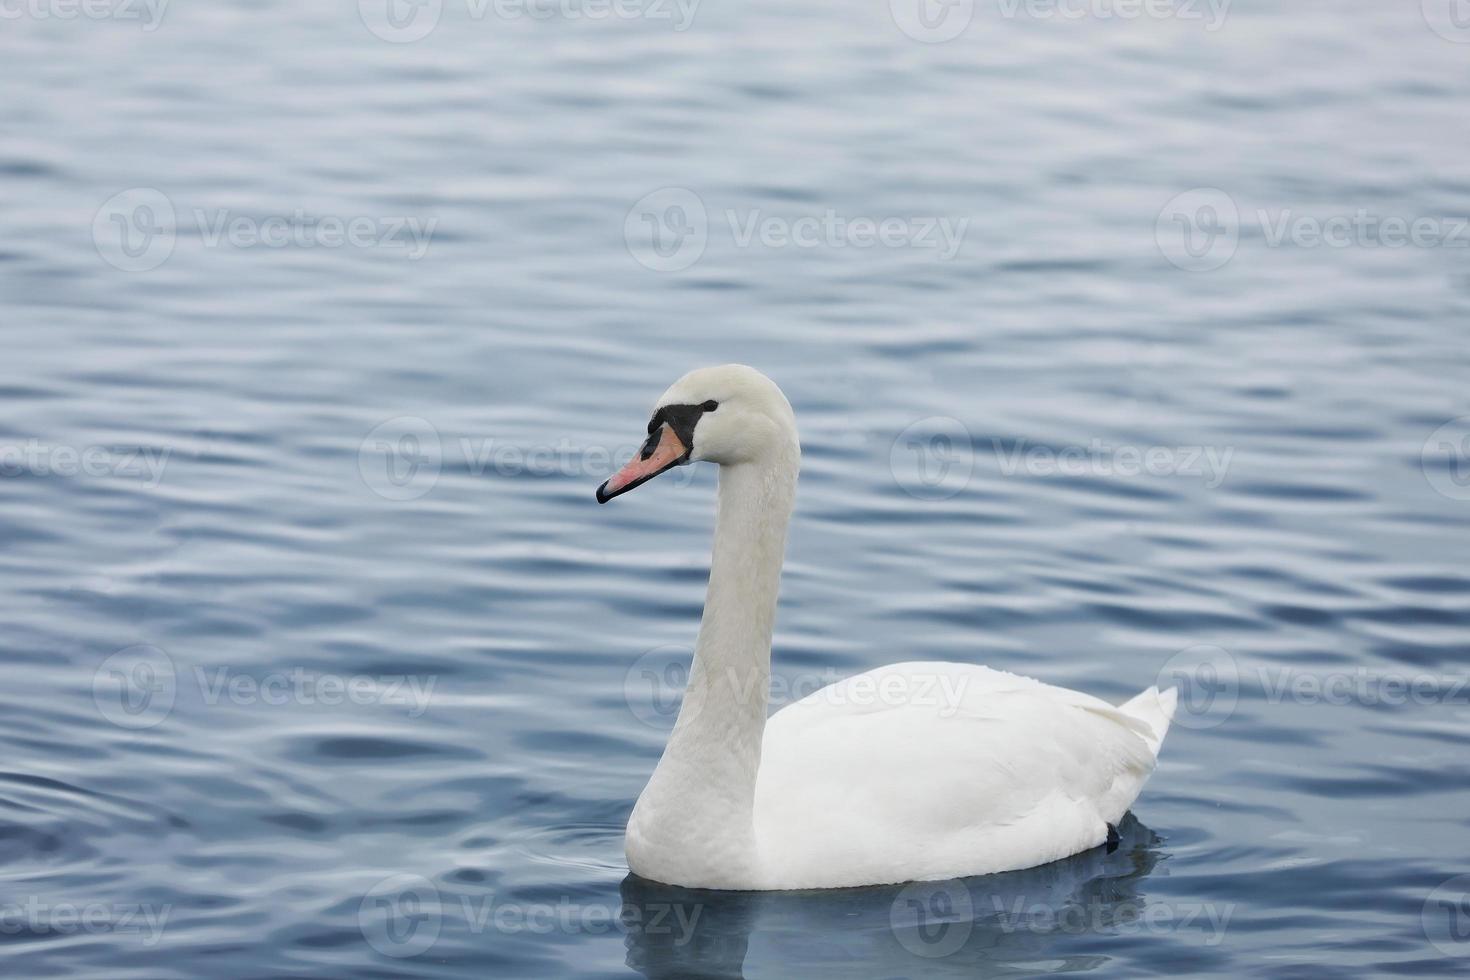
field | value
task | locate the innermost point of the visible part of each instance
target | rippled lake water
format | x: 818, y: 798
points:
x: 1124, y: 349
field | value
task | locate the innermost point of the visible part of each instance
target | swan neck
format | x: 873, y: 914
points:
x: 697, y: 811
x: 753, y: 513
x: 729, y: 681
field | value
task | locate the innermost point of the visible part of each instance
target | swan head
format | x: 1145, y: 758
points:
x: 727, y: 415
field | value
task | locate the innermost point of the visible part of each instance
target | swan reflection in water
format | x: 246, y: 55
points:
x: 965, y: 927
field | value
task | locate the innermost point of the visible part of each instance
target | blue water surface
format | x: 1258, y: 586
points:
x: 1125, y: 350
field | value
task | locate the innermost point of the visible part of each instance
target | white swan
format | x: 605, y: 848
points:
x: 911, y: 772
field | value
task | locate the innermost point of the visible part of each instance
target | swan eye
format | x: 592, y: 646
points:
x: 710, y: 405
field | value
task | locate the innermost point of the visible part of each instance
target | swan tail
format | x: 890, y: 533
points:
x: 1154, y: 708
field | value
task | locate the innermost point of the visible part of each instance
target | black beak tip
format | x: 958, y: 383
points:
x: 602, y: 495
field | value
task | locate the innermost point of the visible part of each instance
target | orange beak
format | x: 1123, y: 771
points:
x: 663, y: 450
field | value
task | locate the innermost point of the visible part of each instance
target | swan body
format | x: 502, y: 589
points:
x: 911, y: 772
